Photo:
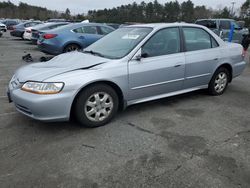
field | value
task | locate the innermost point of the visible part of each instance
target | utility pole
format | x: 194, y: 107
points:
x: 233, y: 3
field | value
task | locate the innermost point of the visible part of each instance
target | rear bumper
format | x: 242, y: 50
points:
x: 238, y: 68
x: 34, y: 40
x: 50, y: 49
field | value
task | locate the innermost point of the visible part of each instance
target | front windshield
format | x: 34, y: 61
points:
x: 120, y: 42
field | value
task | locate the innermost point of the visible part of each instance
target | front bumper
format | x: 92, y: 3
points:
x: 55, y: 107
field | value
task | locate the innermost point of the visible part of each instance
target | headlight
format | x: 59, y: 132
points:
x: 43, y: 87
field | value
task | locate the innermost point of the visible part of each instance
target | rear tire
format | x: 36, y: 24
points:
x: 219, y: 81
x: 71, y: 48
x: 96, y: 105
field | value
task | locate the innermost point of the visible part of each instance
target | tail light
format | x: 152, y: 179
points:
x: 12, y: 27
x: 244, y: 53
x: 28, y: 31
x: 49, y: 36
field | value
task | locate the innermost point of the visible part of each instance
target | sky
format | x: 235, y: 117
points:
x: 82, y: 6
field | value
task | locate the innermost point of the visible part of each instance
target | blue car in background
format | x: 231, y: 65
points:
x: 39, y: 29
x: 72, y: 37
x: 19, y: 29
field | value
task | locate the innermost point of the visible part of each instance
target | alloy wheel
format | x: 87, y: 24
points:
x: 220, y: 82
x: 98, y: 106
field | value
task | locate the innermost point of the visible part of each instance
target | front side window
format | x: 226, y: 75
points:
x: 164, y: 42
x: 198, y: 39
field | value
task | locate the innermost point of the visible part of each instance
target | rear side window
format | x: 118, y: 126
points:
x: 78, y: 30
x: 198, y: 39
x: 105, y: 30
x: 27, y: 25
x: 225, y: 24
x: 214, y: 43
x: 89, y: 30
x: 86, y: 30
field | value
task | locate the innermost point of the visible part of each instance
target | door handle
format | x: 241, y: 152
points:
x: 215, y: 59
x: 177, y: 65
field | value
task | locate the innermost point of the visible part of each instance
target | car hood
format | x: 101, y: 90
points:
x: 58, y: 65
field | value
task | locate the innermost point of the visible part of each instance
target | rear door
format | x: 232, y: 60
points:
x: 202, y: 56
x: 161, y: 70
x: 87, y: 35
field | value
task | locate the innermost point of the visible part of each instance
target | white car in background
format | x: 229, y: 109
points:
x: 3, y: 27
x: 27, y: 33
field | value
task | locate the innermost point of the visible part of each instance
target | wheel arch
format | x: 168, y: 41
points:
x: 71, y: 42
x: 229, y: 67
x: 113, y: 85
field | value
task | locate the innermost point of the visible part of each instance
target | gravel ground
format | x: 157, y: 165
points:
x: 192, y: 140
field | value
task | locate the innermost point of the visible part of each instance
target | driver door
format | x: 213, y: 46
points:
x: 161, y: 69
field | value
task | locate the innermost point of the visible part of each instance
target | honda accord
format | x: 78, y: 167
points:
x: 131, y: 65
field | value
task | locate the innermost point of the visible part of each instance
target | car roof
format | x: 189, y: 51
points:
x: 76, y: 25
x: 164, y: 25
x: 47, y: 24
x: 214, y: 19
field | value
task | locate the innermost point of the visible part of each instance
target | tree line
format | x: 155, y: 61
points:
x: 155, y: 12
x: 136, y: 12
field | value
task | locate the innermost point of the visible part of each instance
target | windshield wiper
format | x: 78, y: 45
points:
x: 94, y: 53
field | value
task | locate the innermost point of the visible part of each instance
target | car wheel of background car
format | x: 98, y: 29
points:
x: 219, y: 81
x: 23, y: 35
x: 96, y: 105
x: 71, y: 47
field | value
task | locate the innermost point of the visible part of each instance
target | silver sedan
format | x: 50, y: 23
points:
x: 131, y: 65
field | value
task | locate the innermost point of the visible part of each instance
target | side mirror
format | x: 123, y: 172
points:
x: 140, y: 56
x: 144, y: 55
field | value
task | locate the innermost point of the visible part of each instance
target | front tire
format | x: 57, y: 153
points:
x: 219, y: 81
x: 96, y: 105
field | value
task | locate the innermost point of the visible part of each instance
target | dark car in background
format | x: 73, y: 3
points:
x: 115, y: 26
x: 222, y: 28
x: 10, y: 23
x: 40, y: 29
x: 72, y: 37
x: 19, y: 29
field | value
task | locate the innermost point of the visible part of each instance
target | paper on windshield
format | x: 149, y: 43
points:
x: 131, y: 36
